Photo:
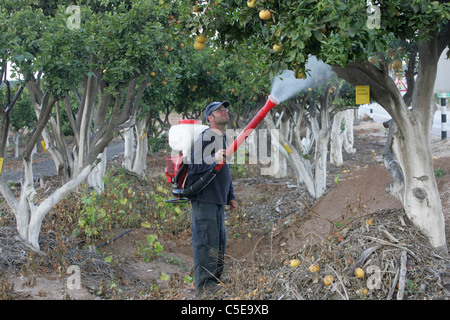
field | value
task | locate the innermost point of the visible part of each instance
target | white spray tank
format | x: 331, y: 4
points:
x: 183, y: 136
x: 181, y: 139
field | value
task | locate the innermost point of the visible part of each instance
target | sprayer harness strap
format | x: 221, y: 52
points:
x: 203, y: 181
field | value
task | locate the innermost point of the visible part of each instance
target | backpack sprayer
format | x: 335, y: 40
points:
x: 182, y: 138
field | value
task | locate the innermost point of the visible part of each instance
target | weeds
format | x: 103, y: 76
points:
x: 438, y: 173
x: 238, y: 223
x: 149, y: 251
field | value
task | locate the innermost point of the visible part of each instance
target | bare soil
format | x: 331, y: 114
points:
x: 355, y: 224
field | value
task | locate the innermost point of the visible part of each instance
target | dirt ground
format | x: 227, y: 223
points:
x: 355, y: 224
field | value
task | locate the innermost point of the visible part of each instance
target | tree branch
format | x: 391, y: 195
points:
x: 44, y: 116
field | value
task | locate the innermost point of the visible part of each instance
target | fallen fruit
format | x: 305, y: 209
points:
x: 314, y: 268
x: 328, y: 280
x: 362, y: 292
x: 359, y: 273
x: 295, y: 263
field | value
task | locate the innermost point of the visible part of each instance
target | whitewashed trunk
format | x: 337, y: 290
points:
x: 321, y: 136
x: 308, y: 140
x: 348, y: 136
x: 140, y: 159
x: 95, y: 177
x: 26, y: 201
x: 341, y: 136
x: 129, y: 148
x: 421, y: 199
x: 16, y: 140
x: 8, y: 143
x: 320, y: 170
x: 300, y: 165
x: 281, y: 171
x: 337, y: 139
x: 56, y: 156
x: 41, y: 211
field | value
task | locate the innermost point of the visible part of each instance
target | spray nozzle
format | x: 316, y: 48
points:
x: 274, y: 100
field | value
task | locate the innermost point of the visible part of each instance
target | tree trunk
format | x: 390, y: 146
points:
x: 16, y: 140
x: 409, y: 153
x: 95, y: 177
x: 337, y: 139
x: 26, y: 200
x: 129, y: 148
x: 341, y: 136
x: 321, y: 132
x: 284, y: 127
x: 45, y: 206
x: 301, y: 166
x: 348, y: 136
x: 140, y: 159
x: 418, y: 191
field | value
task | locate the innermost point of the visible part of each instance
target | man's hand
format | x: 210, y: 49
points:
x: 221, y: 156
x: 233, y: 205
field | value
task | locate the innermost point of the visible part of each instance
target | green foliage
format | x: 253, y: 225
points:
x: 166, y: 218
x: 334, y: 31
x: 22, y: 114
x: 149, y: 251
x: 118, y: 206
x: 238, y: 224
x: 438, y: 173
x: 158, y: 142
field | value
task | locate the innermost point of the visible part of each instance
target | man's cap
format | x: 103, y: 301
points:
x: 214, y: 106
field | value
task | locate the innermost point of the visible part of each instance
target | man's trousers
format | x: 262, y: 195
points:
x: 208, y: 241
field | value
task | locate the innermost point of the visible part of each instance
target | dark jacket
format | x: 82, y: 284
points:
x: 220, y: 189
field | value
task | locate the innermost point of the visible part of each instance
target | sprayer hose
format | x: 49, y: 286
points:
x: 198, y: 186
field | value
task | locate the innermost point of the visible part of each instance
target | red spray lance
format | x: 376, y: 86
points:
x: 176, y: 172
x: 270, y: 103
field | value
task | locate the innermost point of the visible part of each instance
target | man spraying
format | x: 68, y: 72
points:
x: 208, y: 220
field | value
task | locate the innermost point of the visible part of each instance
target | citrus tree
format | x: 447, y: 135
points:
x: 344, y: 35
x: 10, y: 94
x: 22, y: 115
x: 96, y: 71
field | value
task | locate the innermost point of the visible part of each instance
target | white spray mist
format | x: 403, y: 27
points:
x: 286, y: 86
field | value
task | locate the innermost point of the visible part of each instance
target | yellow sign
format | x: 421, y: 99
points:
x: 1, y: 165
x: 43, y: 145
x: 288, y: 150
x: 362, y: 94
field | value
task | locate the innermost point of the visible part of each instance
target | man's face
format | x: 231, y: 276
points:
x: 220, y: 115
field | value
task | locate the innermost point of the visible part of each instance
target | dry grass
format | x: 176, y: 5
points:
x: 397, y: 260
